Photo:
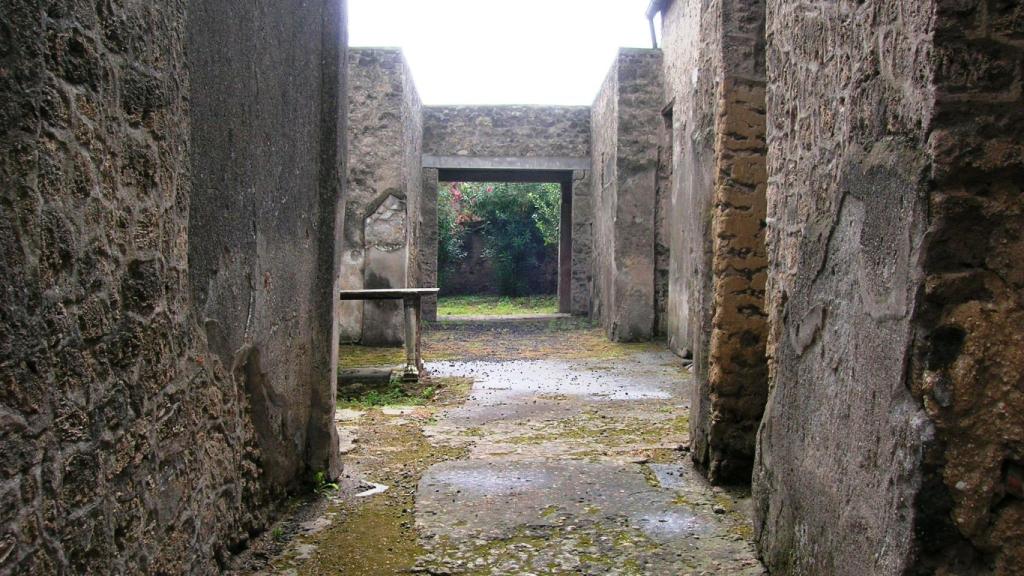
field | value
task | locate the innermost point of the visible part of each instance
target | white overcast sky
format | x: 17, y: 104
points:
x: 503, y: 51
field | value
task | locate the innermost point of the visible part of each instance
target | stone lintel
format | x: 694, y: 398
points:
x: 505, y: 163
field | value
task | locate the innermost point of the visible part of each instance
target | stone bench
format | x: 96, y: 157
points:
x: 410, y: 298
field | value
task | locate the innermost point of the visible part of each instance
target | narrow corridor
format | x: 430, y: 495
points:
x: 572, y: 459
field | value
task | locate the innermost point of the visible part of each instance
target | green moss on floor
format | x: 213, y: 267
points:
x: 373, y: 539
x: 592, y: 430
x: 496, y: 305
x: 377, y: 535
x: 397, y: 393
x: 508, y: 343
x: 529, y: 544
x: 650, y: 476
x: 356, y: 356
x: 564, y: 339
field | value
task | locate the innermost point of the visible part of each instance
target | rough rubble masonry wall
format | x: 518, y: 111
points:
x: 663, y: 223
x: 968, y: 355
x: 604, y: 149
x: 895, y: 294
x: 507, y: 131
x: 127, y: 441
x: 384, y: 135
x: 626, y: 120
x: 560, y: 132
x: 426, y: 252
x: 714, y: 76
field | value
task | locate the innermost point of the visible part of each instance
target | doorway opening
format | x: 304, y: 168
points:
x: 504, y: 244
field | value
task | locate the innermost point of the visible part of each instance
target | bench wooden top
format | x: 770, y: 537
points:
x: 386, y: 293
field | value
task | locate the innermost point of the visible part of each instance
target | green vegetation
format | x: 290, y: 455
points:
x: 374, y: 536
x: 397, y: 393
x: 519, y: 223
x: 393, y: 394
x: 321, y: 484
x: 357, y: 356
x: 496, y: 305
x: 450, y: 231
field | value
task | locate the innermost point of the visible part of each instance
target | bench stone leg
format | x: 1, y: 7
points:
x: 412, y: 353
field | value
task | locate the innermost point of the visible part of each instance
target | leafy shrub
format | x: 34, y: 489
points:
x: 520, y: 222
x: 450, y: 233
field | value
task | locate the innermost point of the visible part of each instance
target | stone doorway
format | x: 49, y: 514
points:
x: 521, y: 171
x: 494, y: 263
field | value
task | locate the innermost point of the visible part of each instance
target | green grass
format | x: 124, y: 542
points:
x: 356, y: 356
x: 496, y: 305
x: 392, y: 395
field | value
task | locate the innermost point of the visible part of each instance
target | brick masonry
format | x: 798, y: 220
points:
x: 714, y: 70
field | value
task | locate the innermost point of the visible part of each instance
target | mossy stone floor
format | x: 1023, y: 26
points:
x: 568, y: 455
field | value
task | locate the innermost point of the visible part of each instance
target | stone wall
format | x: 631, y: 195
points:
x: 967, y: 359
x: 412, y: 168
x: 513, y: 135
x: 507, y: 131
x: 385, y: 134
x: 604, y: 146
x: 427, y: 244
x: 135, y: 420
x: 582, y: 267
x: 895, y: 295
x: 262, y: 221
x: 663, y: 223
x: 840, y: 447
x: 714, y: 70
x: 691, y: 55
x: 626, y: 122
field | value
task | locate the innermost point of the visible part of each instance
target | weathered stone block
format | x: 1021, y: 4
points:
x: 507, y: 131
x: 895, y: 316
x: 626, y: 122
x: 385, y: 130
